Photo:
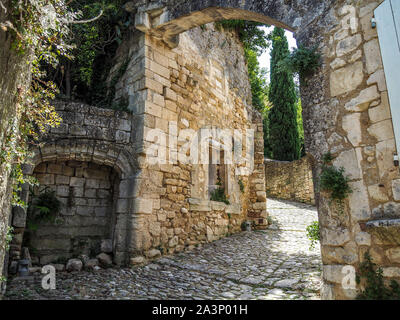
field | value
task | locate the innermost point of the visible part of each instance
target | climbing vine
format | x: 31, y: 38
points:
x: 9, y: 237
x: 39, y: 29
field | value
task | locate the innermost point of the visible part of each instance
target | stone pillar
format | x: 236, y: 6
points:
x: 258, y: 197
x: 357, y: 131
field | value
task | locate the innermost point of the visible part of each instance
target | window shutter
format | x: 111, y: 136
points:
x: 387, y: 17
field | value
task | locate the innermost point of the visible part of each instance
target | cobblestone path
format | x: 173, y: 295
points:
x: 267, y: 265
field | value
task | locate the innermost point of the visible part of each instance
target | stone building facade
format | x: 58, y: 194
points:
x: 98, y: 161
x: 290, y: 180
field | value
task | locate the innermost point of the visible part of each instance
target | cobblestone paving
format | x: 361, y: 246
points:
x: 268, y: 265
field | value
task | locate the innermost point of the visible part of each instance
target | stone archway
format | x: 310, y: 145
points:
x: 340, y: 103
x: 166, y: 20
x: 93, y: 188
x: 93, y: 137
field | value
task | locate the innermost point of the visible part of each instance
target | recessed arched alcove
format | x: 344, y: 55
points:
x: 87, y: 193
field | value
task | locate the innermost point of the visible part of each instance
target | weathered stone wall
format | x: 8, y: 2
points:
x: 90, y: 162
x: 14, y: 80
x: 290, y: 180
x: 202, y: 83
x: 345, y: 110
x: 87, y: 193
x: 363, y: 143
x: 159, y: 208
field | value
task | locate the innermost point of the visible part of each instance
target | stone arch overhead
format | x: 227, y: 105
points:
x: 117, y: 157
x: 167, y: 19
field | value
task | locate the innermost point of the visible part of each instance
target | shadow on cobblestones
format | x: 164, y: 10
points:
x: 267, y: 265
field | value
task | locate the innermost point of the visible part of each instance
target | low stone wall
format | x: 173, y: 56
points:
x: 290, y: 180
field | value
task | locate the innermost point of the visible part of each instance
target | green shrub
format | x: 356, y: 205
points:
x: 219, y: 195
x: 375, y: 288
x: 45, y: 208
x: 241, y: 185
x: 327, y: 158
x: 313, y: 234
x: 243, y: 226
x: 333, y: 180
x: 303, y: 61
x: 9, y: 237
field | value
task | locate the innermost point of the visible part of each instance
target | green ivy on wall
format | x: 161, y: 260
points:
x: 333, y: 181
x: 39, y: 29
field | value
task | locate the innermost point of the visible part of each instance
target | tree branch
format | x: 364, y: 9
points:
x: 87, y: 21
x: 3, y: 7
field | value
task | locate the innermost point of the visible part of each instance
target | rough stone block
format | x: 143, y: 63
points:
x: 62, y: 179
x: 348, y: 45
x: 337, y: 237
x: 333, y: 273
x: 346, y: 79
x: 106, y: 246
x: 391, y: 272
x: 348, y: 160
x: 19, y: 217
x: 361, y: 103
x: 382, y: 130
x: 77, y: 182
x: 74, y: 265
x: 141, y: 205
x: 352, y: 125
x: 382, y: 111
x: 373, y: 56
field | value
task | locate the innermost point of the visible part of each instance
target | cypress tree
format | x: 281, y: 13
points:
x: 283, y: 133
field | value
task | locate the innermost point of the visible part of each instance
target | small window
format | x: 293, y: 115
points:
x: 216, y: 170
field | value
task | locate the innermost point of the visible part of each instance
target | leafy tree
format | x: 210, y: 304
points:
x: 257, y: 77
x: 300, y: 128
x: 95, y: 43
x: 255, y: 42
x: 249, y: 33
x: 267, y: 146
x: 283, y: 131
